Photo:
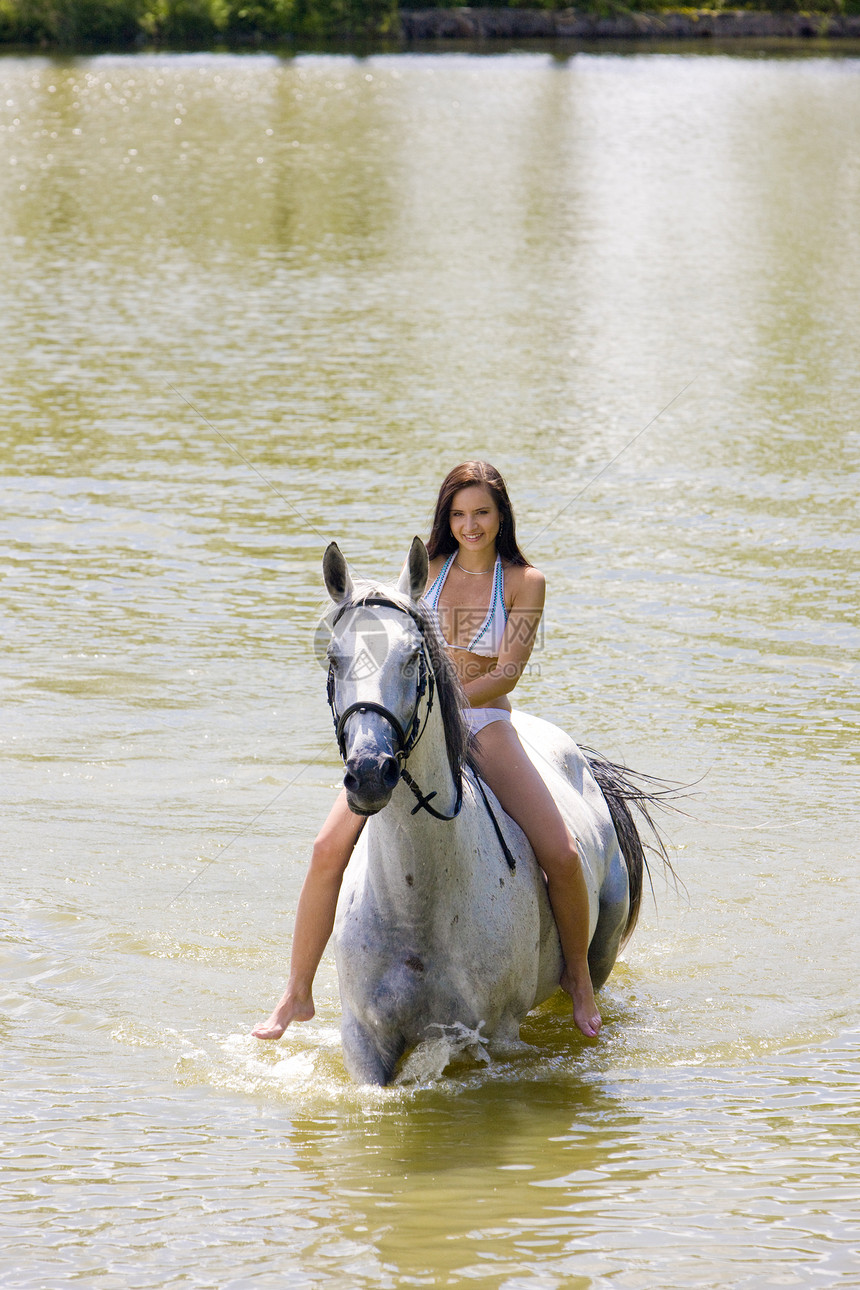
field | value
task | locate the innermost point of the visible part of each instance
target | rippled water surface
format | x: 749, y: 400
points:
x: 633, y: 282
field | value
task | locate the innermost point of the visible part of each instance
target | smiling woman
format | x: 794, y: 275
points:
x: 474, y: 521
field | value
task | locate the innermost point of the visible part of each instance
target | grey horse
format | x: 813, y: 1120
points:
x: 443, y: 919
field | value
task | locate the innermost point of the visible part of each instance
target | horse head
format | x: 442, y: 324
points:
x: 378, y: 675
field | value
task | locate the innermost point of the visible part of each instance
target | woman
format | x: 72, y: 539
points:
x: 488, y: 600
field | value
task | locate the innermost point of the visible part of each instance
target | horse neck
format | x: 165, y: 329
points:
x: 429, y: 766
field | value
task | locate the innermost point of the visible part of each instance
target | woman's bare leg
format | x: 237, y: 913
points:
x: 512, y: 776
x: 314, y: 917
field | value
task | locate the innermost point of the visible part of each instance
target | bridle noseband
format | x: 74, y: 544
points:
x: 407, y: 737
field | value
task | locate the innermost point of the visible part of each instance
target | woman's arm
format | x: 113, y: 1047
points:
x: 517, y: 643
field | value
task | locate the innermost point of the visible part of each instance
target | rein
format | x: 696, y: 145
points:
x: 406, y: 738
x: 506, y: 850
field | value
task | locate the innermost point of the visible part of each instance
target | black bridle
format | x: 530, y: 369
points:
x: 406, y: 737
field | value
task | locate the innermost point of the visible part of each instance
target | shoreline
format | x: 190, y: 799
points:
x: 479, y: 29
x: 428, y: 25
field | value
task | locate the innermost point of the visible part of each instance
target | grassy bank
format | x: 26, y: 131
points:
x: 87, y: 24
x: 82, y: 24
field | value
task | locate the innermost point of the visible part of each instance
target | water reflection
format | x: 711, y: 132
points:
x: 474, y: 1161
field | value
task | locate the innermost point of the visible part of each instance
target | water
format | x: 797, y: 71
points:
x: 359, y: 272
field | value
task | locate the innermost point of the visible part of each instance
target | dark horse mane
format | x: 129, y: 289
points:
x: 621, y: 787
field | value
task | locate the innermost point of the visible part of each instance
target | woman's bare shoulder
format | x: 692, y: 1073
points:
x: 526, y: 584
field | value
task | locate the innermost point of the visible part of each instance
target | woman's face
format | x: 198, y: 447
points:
x: 474, y: 519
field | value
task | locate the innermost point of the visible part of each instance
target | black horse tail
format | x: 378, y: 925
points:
x: 623, y: 788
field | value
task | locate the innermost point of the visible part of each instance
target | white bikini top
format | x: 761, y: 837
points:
x: 487, y: 641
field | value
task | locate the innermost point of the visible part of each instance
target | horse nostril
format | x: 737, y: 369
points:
x: 389, y: 772
x: 350, y: 782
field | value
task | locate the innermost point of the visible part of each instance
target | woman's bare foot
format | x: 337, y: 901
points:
x: 290, y: 1008
x: 585, y: 1012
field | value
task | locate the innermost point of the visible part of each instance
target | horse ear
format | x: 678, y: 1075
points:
x: 338, y: 583
x: 413, y: 579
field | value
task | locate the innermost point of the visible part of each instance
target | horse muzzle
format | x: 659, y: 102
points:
x: 369, y: 782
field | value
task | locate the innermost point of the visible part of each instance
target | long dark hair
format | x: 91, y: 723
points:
x: 442, y: 540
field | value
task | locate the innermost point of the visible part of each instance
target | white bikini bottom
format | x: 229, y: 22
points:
x: 477, y: 718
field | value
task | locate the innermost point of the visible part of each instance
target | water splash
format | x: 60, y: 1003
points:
x: 239, y: 1063
x: 428, y: 1061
